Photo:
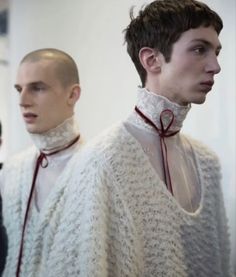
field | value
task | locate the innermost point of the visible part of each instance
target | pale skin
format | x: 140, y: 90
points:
x: 189, y: 75
x: 44, y: 101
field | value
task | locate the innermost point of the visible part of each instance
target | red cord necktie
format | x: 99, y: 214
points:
x: 40, y: 162
x: 163, y: 133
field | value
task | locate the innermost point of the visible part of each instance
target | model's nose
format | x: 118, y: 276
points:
x: 213, y: 66
x: 25, y: 99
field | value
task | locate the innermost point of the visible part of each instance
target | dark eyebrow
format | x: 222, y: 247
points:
x: 37, y: 83
x: 207, y: 43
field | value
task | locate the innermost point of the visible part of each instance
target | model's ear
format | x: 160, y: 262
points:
x: 74, y: 95
x: 149, y: 59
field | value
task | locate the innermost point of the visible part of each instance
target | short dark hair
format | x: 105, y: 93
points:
x: 160, y: 24
x: 66, y: 68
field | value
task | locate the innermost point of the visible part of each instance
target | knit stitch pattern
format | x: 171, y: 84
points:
x: 110, y: 215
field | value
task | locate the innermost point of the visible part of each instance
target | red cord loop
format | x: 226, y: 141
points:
x: 43, y: 162
x: 163, y: 133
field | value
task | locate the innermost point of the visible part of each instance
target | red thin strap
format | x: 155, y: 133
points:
x: 39, y: 162
x: 163, y: 133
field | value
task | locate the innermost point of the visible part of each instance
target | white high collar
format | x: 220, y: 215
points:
x: 152, y: 105
x: 57, y: 137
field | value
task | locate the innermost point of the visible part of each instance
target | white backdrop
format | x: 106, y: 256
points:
x: 91, y: 31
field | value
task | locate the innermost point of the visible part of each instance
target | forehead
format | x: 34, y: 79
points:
x: 43, y: 70
x: 206, y: 34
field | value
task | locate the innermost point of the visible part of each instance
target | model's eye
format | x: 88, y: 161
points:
x: 200, y: 50
x: 217, y: 53
x: 18, y: 89
x: 37, y: 87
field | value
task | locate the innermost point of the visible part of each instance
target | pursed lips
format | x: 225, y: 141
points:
x: 208, y: 83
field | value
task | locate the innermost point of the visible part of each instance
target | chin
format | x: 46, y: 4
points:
x: 35, y: 130
x: 30, y: 130
x: 199, y: 100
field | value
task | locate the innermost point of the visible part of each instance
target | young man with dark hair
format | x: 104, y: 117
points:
x: 152, y: 198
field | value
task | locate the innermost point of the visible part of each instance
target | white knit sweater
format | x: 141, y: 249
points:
x: 110, y: 215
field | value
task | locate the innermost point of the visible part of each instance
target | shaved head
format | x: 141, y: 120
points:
x: 65, y: 67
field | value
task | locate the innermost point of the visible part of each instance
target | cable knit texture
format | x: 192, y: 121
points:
x: 111, y: 215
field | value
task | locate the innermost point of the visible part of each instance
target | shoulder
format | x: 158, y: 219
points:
x: 109, y: 155
x: 20, y: 158
x: 112, y: 140
x: 90, y: 168
x: 15, y: 165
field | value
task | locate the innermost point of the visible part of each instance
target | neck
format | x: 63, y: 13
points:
x: 172, y: 97
x: 57, y: 137
x: 153, y: 105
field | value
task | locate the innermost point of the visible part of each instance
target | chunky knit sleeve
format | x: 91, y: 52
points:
x: 210, y: 165
x: 97, y: 227
x: 113, y: 231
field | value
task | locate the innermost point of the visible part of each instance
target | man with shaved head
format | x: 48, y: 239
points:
x: 34, y: 183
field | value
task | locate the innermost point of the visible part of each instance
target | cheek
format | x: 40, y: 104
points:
x: 48, y: 107
x: 57, y: 109
x: 53, y: 106
x: 184, y: 73
x: 48, y: 110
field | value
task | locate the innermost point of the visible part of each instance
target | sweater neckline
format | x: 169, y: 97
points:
x: 145, y: 160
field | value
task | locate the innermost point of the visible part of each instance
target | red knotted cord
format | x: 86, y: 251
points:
x: 39, y: 162
x: 163, y: 133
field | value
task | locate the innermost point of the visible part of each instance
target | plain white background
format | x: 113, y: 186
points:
x: 91, y: 32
